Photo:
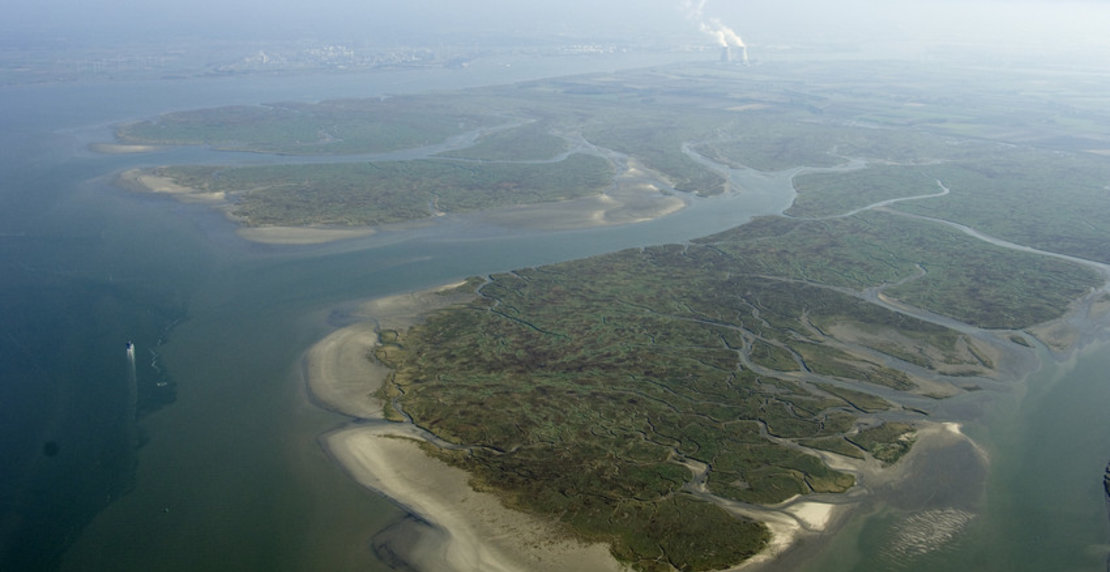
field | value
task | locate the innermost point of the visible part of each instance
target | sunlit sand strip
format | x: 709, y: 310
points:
x: 121, y: 148
x: 301, y: 235
x: 814, y: 516
x: 338, y: 368
x: 340, y: 375
x: 136, y: 179
x: 787, y: 525
x: 624, y: 206
x: 481, y: 534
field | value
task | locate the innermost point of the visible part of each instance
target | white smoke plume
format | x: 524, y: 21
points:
x: 725, y: 36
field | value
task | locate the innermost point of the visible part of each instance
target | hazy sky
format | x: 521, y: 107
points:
x: 997, y: 22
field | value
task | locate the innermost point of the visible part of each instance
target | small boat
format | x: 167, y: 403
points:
x: 130, y: 346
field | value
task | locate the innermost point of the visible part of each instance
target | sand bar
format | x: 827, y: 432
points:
x: 481, y: 534
x: 121, y: 148
x: 626, y: 205
x: 814, y: 516
x: 341, y: 375
x: 143, y: 181
x: 478, y: 533
x: 301, y: 234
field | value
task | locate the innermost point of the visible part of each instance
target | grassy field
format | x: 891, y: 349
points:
x: 530, y: 142
x: 1045, y: 199
x: 831, y: 194
x: 331, y: 127
x: 927, y: 265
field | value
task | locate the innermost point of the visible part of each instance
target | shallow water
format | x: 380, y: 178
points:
x: 1039, y: 506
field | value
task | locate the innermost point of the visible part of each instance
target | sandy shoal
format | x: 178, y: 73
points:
x: 301, y: 234
x: 787, y: 525
x: 479, y: 533
x: 636, y: 195
x: 341, y: 375
x: 121, y: 148
x: 138, y: 180
x: 628, y: 206
x: 145, y: 181
x: 340, y: 369
x: 813, y: 515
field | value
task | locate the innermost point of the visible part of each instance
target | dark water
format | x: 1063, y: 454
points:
x: 74, y: 289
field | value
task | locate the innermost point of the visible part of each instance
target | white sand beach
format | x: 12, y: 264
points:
x: 121, y: 148
x: 481, y: 534
x: 139, y: 180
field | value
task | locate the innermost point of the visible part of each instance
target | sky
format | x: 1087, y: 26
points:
x: 1030, y: 24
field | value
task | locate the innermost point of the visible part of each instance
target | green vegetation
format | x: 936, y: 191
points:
x: 886, y: 442
x: 657, y: 142
x: 838, y: 445
x: 1047, y: 200
x: 331, y: 127
x: 865, y: 402
x: 378, y: 193
x: 525, y: 143
x: 930, y: 266
x: 829, y: 194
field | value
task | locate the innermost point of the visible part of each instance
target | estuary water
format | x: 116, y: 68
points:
x: 209, y: 460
